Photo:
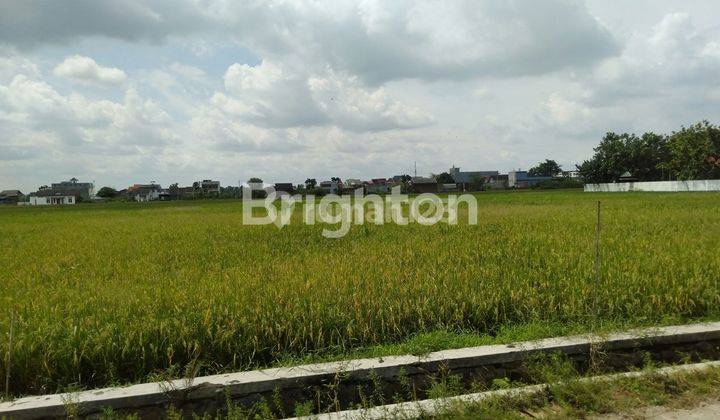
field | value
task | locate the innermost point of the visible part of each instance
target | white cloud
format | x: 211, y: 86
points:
x: 563, y: 110
x: 268, y: 96
x: 105, y: 125
x: 380, y: 41
x: 673, y: 58
x: 12, y: 64
x: 191, y: 72
x: 375, y: 40
x: 85, y: 69
x: 31, y: 23
x: 274, y: 96
x: 339, y: 88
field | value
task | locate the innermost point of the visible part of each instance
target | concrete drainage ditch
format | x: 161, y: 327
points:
x: 339, y: 386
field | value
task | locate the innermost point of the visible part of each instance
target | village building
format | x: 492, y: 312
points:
x: 144, y: 192
x: 11, y: 196
x: 421, y: 185
x: 49, y: 197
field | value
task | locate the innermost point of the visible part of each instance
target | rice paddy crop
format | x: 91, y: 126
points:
x: 112, y: 293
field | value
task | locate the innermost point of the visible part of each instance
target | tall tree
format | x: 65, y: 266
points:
x: 691, y: 153
x: 646, y: 156
x: 610, y: 161
x: 477, y: 182
x: 310, y: 184
x: 107, y: 192
x: 547, y: 168
x: 694, y: 152
x: 444, y: 178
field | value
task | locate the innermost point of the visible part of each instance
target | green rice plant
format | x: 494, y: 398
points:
x: 114, y: 293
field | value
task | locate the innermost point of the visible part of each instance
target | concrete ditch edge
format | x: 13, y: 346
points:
x: 414, y: 409
x: 239, y: 384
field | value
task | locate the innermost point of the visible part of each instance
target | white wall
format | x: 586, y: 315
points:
x: 657, y: 186
x: 46, y: 201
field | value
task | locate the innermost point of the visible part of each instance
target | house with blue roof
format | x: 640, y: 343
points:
x: 521, y: 179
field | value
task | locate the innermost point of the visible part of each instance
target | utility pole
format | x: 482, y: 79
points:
x: 415, y: 169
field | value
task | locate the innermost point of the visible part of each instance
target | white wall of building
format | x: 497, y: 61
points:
x: 149, y: 196
x: 52, y: 200
x: 657, y: 186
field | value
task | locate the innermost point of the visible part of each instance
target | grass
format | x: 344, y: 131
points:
x: 572, y: 398
x: 115, y: 293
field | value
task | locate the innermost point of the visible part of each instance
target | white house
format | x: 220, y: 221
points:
x: 330, y: 187
x: 51, y: 200
x: 144, y: 192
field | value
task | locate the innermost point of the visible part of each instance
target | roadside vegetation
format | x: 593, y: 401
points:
x: 565, y: 393
x: 573, y: 398
x: 116, y: 293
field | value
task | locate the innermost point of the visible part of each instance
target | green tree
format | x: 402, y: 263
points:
x: 477, y: 182
x: 174, y: 191
x: 229, y: 192
x: 610, y: 161
x: 107, y: 192
x: 646, y: 156
x: 694, y: 152
x: 444, y: 178
x: 310, y: 184
x: 547, y: 168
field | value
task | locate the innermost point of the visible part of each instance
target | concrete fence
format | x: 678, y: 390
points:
x: 657, y: 186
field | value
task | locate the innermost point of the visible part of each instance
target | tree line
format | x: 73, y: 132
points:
x: 691, y: 153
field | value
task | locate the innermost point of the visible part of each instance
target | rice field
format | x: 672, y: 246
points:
x: 112, y: 293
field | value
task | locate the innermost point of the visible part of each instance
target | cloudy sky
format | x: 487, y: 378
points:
x: 176, y: 91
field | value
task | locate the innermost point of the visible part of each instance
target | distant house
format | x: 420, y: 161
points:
x: 627, y: 177
x: 11, y: 196
x: 50, y: 197
x: 209, y: 187
x: 470, y: 180
x: 421, y: 185
x: 257, y: 189
x: 330, y: 187
x: 285, y: 187
x: 175, y: 192
x: 448, y: 187
x: 499, y: 182
x: 352, y: 185
x: 571, y: 174
x: 184, y: 192
x: 378, y: 186
x: 165, y: 195
x: 397, y: 179
x: 144, y: 192
x: 521, y: 179
x: 80, y: 190
x: 256, y: 185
